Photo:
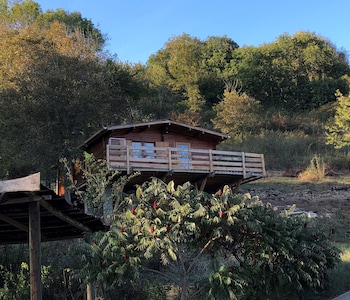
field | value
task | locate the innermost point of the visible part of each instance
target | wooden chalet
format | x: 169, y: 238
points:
x: 175, y: 151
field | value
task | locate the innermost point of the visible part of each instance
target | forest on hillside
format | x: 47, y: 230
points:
x: 58, y: 86
x: 288, y: 99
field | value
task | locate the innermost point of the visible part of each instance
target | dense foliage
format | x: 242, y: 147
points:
x: 298, y: 72
x: 238, y: 115
x: 58, y: 86
x: 338, y: 129
x: 225, y: 245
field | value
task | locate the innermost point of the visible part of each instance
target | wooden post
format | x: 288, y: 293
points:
x: 127, y: 160
x: 211, y: 160
x: 243, y: 165
x: 34, y: 250
x: 204, y: 182
x: 108, y: 154
x: 263, y: 165
x: 169, y: 159
x: 90, y: 291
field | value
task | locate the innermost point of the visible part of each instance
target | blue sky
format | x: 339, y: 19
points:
x: 137, y: 29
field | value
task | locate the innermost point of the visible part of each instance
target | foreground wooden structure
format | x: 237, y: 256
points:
x: 175, y: 151
x: 31, y: 213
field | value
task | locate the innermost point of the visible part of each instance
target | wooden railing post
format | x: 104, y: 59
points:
x: 263, y: 164
x: 243, y: 165
x: 127, y: 160
x: 211, y: 161
x: 169, y: 158
x: 107, y: 154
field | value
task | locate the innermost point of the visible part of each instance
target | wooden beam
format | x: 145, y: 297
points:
x: 34, y: 251
x: 29, y: 183
x: 204, y: 182
x: 25, y: 199
x: 165, y: 175
x: 17, y: 224
x: 14, y: 222
x: 236, y: 186
x: 63, y: 217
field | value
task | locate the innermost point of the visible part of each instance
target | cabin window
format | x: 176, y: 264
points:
x: 147, y: 150
x: 136, y: 152
x: 117, y: 142
x: 184, y: 154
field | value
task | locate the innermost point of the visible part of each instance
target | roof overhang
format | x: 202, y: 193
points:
x: 163, y: 124
x: 59, y: 219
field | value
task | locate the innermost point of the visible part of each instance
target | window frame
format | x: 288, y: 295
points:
x: 143, y: 153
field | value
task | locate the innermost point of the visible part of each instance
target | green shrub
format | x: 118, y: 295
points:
x: 282, y: 150
x: 14, y: 282
x: 337, y: 160
x: 290, y: 150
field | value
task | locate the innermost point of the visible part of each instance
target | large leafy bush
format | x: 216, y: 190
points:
x: 224, y: 245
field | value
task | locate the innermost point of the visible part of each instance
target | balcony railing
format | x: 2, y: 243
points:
x: 168, y: 159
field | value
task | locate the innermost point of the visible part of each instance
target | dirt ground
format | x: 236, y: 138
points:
x: 328, y: 197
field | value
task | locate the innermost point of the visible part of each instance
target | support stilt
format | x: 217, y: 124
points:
x: 34, y: 251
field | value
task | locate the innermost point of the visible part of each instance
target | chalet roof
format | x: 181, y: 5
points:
x: 59, y: 219
x: 166, y: 125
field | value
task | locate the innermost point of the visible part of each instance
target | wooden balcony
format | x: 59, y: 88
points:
x: 212, y: 169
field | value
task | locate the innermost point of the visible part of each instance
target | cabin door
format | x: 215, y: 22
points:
x: 183, y: 151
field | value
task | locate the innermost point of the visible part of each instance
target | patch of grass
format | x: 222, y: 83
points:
x: 288, y: 184
x: 345, y: 256
x: 284, y: 184
x: 316, y: 171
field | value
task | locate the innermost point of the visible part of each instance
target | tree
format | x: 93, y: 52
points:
x: 74, y: 22
x: 57, y: 88
x: 138, y: 102
x: 190, y: 74
x: 218, y: 53
x: 224, y: 245
x: 299, y: 72
x: 338, y: 129
x: 238, y: 115
x: 51, y: 85
x: 19, y: 14
x: 181, y: 68
x: 25, y: 12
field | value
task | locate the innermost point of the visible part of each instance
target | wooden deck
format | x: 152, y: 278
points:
x: 188, y: 164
